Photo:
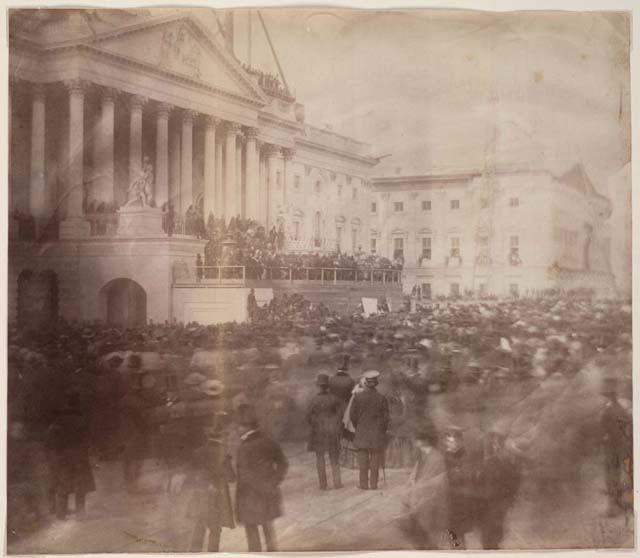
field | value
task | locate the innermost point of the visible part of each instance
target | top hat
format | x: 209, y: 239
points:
x: 322, y: 380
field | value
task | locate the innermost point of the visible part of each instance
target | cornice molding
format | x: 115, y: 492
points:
x: 303, y: 142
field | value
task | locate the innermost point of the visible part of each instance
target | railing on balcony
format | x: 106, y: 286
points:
x: 320, y: 274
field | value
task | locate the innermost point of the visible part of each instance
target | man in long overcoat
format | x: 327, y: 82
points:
x: 325, y: 418
x: 261, y: 468
x: 370, y: 416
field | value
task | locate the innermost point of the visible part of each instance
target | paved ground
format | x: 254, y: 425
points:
x: 346, y: 519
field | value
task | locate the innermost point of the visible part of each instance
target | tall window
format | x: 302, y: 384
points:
x: 514, y: 290
x: 426, y: 248
x: 374, y: 207
x: 318, y: 187
x: 296, y: 182
x: 398, y: 248
x: 454, y: 204
x: 339, y: 190
x: 398, y: 207
x: 317, y: 232
x: 454, y: 289
x: 278, y: 178
x: 354, y: 240
x: 354, y: 194
x: 514, y: 202
x: 296, y: 230
x: 426, y: 205
x: 426, y: 290
x: 338, y: 237
x: 455, y: 247
x: 373, y: 245
x: 514, y: 244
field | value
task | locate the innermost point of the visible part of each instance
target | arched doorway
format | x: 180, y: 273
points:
x: 124, y: 303
x: 37, y: 299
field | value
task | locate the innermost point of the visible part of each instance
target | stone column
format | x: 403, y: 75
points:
x: 103, y: 165
x: 37, y: 193
x: 161, y: 173
x: 287, y: 154
x: 186, y: 174
x: 135, y: 137
x: 239, y: 178
x: 74, y: 226
x: 231, y: 209
x: 210, y: 168
x: 272, y: 153
x: 175, y: 158
x: 252, y: 178
x: 219, y: 203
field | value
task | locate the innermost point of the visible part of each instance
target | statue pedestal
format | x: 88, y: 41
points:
x: 140, y: 222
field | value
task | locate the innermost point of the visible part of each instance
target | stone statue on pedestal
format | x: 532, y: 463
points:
x: 141, y: 189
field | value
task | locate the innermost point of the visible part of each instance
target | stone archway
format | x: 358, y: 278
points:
x: 124, y: 303
x: 37, y: 299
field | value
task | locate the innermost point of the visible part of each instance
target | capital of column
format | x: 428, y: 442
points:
x: 240, y: 139
x: 251, y: 133
x: 108, y: 94
x: 211, y: 121
x: 232, y: 128
x: 77, y: 86
x: 288, y: 153
x: 137, y: 102
x: 38, y: 90
x: 188, y: 116
x: 163, y: 110
x: 272, y: 150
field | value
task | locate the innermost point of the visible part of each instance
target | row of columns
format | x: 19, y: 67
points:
x: 173, y: 164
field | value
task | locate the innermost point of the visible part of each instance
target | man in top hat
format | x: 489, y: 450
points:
x: 341, y: 384
x: 261, y: 468
x: 369, y: 415
x: 325, y: 418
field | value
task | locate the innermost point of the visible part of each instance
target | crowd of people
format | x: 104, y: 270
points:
x: 523, y: 381
x: 270, y: 83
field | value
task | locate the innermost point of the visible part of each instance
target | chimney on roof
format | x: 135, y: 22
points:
x: 228, y: 30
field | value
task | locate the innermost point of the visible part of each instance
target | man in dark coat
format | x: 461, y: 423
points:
x: 68, y: 443
x: 325, y: 418
x: 261, y: 467
x: 500, y: 478
x: 369, y: 415
x: 212, y: 499
x: 341, y: 385
x: 617, y: 440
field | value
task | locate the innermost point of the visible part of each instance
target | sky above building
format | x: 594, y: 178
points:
x: 442, y: 89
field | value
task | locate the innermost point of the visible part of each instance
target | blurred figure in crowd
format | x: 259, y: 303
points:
x: 261, y: 468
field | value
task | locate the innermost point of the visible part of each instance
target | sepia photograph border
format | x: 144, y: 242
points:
x: 633, y: 7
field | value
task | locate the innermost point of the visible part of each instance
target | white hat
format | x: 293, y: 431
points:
x: 212, y: 387
x: 371, y: 375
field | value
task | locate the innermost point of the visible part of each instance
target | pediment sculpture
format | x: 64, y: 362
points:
x: 180, y: 51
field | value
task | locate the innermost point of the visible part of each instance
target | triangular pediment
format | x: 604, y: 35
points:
x: 184, y: 48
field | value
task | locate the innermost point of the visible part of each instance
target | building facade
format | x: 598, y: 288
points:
x: 99, y: 99
x: 505, y: 233
x: 621, y: 229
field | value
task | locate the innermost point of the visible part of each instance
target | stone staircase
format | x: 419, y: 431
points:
x: 341, y: 297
